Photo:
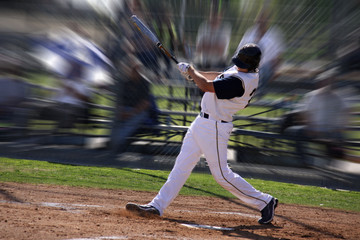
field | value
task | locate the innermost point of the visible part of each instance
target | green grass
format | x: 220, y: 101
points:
x: 199, y: 184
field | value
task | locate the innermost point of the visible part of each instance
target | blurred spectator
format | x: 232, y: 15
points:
x: 133, y: 105
x: 271, y: 42
x: 350, y: 61
x: 72, y: 98
x: 14, y: 92
x: 322, y: 115
x: 212, y: 42
x: 69, y: 105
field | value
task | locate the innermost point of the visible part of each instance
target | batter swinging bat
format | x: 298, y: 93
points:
x: 146, y: 31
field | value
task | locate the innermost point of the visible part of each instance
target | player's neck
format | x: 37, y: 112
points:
x: 245, y: 70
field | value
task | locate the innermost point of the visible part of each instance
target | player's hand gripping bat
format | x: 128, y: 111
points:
x: 152, y: 37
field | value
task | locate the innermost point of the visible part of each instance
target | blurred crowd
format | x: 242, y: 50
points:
x: 82, y: 56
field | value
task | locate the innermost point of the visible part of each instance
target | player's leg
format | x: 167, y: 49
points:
x: 216, y: 156
x: 185, y: 162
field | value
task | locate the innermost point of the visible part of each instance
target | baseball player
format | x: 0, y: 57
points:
x: 225, y: 94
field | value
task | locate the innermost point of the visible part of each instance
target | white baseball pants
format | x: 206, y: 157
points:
x: 210, y: 138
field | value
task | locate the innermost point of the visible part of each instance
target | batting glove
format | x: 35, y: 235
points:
x: 183, y: 68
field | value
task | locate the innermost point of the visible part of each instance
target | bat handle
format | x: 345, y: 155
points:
x: 174, y: 59
x: 159, y: 45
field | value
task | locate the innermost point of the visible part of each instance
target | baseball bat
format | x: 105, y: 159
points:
x: 151, y: 36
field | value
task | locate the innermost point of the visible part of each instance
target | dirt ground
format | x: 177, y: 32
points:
x: 56, y: 212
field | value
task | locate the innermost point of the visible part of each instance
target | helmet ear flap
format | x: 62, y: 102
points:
x: 248, y: 57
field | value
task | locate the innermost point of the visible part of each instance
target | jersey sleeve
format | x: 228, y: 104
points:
x: 230, y: 87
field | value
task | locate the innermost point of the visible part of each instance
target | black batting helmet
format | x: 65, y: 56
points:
x: 248, y: 57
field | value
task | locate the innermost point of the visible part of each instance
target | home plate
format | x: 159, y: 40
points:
x: 207, y: 227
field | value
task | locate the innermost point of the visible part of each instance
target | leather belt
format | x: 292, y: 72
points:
x: 205, y: 115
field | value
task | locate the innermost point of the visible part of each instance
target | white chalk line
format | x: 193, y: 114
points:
x: 71, y: 207
x: 139, y: 236
x: 238, y: 213
x: 225, y: 213
x: 197, y: 226
x: 68, y: 205
x: 207, y: 227
x: 100, y: 238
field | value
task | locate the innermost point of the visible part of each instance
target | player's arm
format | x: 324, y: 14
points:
x: 224, y: 88
x: 202, y: 81
x: 210, y: 75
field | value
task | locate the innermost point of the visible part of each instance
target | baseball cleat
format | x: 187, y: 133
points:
x: 268, y: 212
x: 143, y: 210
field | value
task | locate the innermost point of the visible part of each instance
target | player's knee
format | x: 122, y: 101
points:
x: 224, y: 177
x: 181, y: 172
x: 220, y: 178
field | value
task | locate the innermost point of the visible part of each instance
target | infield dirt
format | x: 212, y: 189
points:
x: 30, y: 211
